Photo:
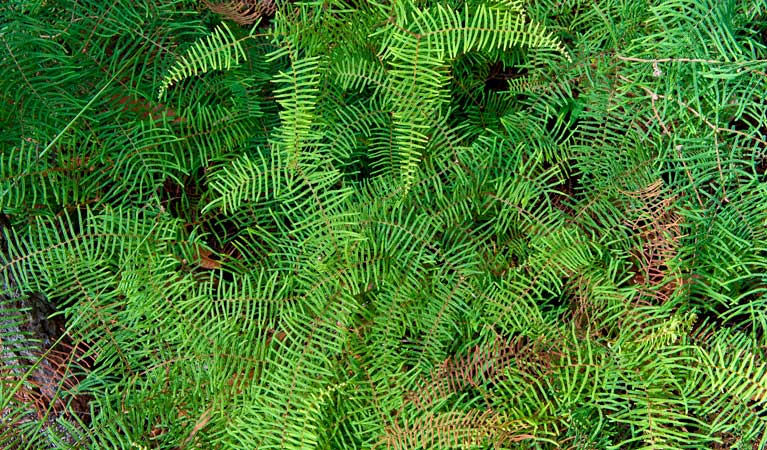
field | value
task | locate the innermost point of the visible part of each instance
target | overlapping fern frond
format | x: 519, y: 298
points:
x: 219, y: 51
x: 517, y: 224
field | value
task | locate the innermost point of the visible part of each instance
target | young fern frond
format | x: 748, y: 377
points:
x: 298, y: 97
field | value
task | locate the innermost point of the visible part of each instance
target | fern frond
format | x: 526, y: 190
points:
x: 456, y: 430
x: 245, y: 180
x: 298, y: 98
x: 220, y: 50
x: 730, y: 382
x: 243, y: 12
x: 419, y: 51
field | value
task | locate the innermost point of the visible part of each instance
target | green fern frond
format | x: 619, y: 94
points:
x: 298, y: 98
x: 220, y: 50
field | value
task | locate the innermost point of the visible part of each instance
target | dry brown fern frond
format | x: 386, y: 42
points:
x: 54, y: 375
x: 45, y: 394
x: 481, y: 367
x: 243, y: 12
x: 455, y: 430
x: 658, y: 226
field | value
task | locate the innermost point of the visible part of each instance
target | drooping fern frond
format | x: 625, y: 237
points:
x: 218, y: 51
x: 421, y: 44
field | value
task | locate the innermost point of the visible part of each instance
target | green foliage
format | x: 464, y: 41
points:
x: 218, y: 51
x: 418, y: 224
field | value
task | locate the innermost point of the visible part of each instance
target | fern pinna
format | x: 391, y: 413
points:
x: 410, y: 224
